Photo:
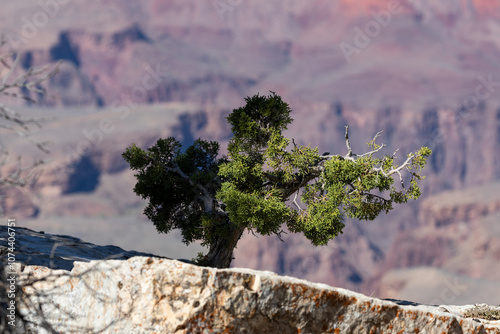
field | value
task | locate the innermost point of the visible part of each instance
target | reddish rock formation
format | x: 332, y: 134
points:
x: 459, y: 234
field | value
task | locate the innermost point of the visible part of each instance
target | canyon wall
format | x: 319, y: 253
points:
x: 429, y: 76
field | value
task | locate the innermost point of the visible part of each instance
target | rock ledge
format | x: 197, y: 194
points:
x: 145, y: 294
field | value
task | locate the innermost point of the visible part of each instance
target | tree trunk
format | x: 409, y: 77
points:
x: 220, y: 254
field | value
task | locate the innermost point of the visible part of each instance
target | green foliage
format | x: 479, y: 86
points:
x: 174, y: 200
x: 266, y: 180
x: 253, y: 124
x: 265, y: 214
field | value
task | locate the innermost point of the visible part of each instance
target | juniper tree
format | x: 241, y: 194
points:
x: 265, y: 181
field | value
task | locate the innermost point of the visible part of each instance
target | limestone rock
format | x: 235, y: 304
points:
x: 151, y: 295
x: 146, y: 294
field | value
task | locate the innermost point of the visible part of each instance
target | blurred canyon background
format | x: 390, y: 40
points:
x: 424, y: 72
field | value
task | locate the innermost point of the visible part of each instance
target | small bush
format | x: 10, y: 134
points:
x: 484, y: 312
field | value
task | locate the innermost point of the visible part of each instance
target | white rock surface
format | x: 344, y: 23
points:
x: 153, y: 295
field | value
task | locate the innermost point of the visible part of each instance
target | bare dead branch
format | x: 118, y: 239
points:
x: 9, y: 73
x: 279, y: 235
x: 396, y: 170
x: 20, y: 84
x: 348, y: 143
x: 295, y: 201
x: 370, y: 153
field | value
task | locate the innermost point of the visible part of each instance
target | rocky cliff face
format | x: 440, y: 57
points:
x: 451, y: 251
x: 151, y: 295
x: 428, y: 77
x: 205, y: 54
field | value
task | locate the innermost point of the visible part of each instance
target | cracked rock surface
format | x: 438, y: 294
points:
x: 144, y: 294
